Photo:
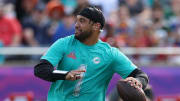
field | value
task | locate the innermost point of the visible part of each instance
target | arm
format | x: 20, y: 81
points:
x: 44, y: 70
x: 127, y: 70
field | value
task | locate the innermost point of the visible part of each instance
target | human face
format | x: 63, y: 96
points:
x: 83, y: 28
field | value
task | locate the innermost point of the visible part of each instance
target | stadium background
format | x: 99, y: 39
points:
x: 147, y: 31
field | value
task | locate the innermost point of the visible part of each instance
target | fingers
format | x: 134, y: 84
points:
x: 133, y: 82
x: 74, y: 75
x: 80, y: 70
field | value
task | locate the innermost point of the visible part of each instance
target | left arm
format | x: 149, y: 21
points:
x: 138, y: 78
x: 127, y: 70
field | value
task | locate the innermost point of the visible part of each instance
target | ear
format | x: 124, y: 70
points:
x: 97, y: 26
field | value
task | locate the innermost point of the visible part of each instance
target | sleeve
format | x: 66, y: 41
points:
x: 45, y: 71
x: 121, y: 64
x: 55, y: 53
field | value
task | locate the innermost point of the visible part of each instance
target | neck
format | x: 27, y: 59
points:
x: 92, y: 40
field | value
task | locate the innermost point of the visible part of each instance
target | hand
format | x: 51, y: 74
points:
x: 133, y: 82
x: 74, y: 75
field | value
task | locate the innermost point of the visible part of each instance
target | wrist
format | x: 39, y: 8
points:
x: 59, y: 74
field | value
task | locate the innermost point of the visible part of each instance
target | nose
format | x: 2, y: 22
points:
x: 76, y: 24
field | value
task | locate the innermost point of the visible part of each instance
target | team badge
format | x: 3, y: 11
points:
x: 96, y: 60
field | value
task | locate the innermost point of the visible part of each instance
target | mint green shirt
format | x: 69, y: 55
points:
x: 100, y: 60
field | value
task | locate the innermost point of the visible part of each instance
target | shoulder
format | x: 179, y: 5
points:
x: 112, y: 50
x: 104, y: 45
x: 108, y: 49
x: 66, y: 39
x: 62, y: 42
x: 116, y: 52
x: 115, y: 49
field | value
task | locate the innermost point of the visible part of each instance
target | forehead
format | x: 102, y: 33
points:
x: 81, y: 17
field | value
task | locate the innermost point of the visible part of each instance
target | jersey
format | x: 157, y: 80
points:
x: 100, y: 60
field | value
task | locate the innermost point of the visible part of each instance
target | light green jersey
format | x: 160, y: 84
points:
x: 101, y: 61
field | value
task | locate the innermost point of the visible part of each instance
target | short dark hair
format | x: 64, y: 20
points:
x: 94, y: 14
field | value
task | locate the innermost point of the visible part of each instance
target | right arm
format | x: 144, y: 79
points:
x: 45, y: 71
x: 45, y: 68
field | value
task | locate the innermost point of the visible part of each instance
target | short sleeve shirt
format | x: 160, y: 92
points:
x: 100, y: 60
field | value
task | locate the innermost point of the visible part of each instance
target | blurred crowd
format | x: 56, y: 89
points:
x: 129, y: 23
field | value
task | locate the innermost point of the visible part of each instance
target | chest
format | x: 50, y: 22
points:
x: 82, y: 58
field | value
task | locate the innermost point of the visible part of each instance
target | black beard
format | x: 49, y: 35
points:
x: 83, y: 36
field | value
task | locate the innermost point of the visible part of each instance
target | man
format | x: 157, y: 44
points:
x: 85, y: 64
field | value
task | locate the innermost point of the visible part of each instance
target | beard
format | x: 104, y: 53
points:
x: 82, y: 36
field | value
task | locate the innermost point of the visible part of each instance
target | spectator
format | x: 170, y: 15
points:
x: 80, y: 5
x: 121, y: 30
x: 159, y: 24
x: 69, y: 5
x: 36, y: 28
x: 65, y: 28
x: 174, y: 24
x: 135, y: 6
x: 107, y: 6
x: 109, y: 35
x: 173, y: 39
x: 143, y: 35
x: 55, y: 11
x: 24, y: 8
x: 10, y: 29
x: 123, y: 26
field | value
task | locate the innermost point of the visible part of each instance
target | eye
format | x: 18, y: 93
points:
x: 82, y: 20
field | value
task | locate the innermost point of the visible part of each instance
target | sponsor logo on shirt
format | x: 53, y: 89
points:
x: 96, y: 60
x: 72, y: 55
